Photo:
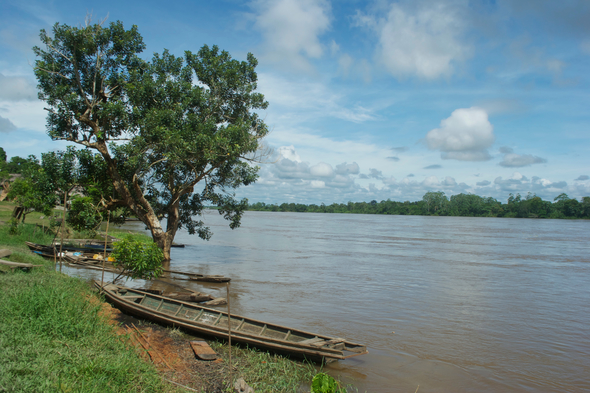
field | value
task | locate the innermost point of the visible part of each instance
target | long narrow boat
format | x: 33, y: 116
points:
x: 211, y: 322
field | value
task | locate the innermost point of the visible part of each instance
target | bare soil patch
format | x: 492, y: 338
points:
x: 170, y: 351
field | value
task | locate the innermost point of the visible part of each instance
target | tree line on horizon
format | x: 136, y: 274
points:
x: 438, y: 204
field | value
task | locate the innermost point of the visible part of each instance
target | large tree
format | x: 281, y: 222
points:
x: 172, y: 133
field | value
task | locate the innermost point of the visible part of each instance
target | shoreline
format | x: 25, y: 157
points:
x: 261, y: 370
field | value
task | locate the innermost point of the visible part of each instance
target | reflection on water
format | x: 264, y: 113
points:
x: 447, y: 303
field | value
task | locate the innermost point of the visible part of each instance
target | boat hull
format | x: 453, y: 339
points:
x: 214, y: 323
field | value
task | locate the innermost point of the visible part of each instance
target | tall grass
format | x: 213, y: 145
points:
x: 52, y: 339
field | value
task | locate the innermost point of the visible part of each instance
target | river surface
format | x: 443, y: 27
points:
x: 449, y: 304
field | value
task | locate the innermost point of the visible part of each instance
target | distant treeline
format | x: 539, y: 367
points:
x: 437, y: 204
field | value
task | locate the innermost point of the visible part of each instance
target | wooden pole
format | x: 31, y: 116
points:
x: 229, y: 335
x: 104, y: 257
x: 63, y: 224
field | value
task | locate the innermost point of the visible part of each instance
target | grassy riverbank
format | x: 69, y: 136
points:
x: 53, y: 338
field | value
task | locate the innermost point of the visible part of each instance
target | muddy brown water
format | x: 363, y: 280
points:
x: 449, y: 304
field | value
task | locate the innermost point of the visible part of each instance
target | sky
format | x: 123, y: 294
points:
x: 368, y: 100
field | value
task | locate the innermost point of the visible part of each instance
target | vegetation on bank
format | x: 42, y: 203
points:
x: 53, y: 339
x: 437, y: 204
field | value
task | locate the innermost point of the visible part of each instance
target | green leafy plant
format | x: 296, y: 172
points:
x: 138, y: 259
x: 13, y: 230
x: 323, y: 383
x: 83, y: 215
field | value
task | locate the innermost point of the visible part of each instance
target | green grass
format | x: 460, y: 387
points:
x: 266, y: 372
x: 52, y: 339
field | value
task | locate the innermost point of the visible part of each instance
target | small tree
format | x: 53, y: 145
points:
x: 34, y: 191
x: 137, y: 259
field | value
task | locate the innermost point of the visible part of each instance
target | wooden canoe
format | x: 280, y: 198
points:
x: 213, y: 278
x: 214, y: 323
x: 18, y: 265
x: 200, y: 277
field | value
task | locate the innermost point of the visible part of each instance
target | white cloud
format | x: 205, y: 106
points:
x: 465, y: 135
x: 321, y: 170
x: 289, y: 153
x: 512, y: 160
x: 347, y: 169
x: 423, y: 40
x: 291, y: 29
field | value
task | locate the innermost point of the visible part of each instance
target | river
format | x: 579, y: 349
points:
x: 446, y: 304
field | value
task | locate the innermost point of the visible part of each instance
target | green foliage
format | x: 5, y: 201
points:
x: 264, y: 371
x: 52, y: 339
x: 83, y: 215
x: 178, y: 121
x: 436, y: 203
x: 13, y: 227
x: 17, y: 165
x: 137, y: 258
x: 22, y: 233
x: 323, y: 383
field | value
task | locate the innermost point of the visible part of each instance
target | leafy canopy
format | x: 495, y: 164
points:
x: 170, y: 135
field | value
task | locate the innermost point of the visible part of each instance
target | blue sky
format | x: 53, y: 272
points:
x: 368, y: 99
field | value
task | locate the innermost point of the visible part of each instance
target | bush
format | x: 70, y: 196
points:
x: 138, y: 259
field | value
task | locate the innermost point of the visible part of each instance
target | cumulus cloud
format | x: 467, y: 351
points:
x: 321, y: 170
x: 433, y: 182
x: 289, y: 152
x: 422, y: 40
x: 375, y: 174
x: 6, y: 125
x: 291, y: 29
x: 347, y: 169
x: 512, y: 160
x: 465, y: 135
x: 289, y: 169
x: 483, y: 183
x: 519, y: 183
x: 583, y: 177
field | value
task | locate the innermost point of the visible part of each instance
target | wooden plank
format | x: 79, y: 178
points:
x: 198, y: 315
x: 333, y: 341
x: 311, y: 341
x: 203, y: 350
x: 5, y: 253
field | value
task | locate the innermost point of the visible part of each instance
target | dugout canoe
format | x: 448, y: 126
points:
x: 214, y: 323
